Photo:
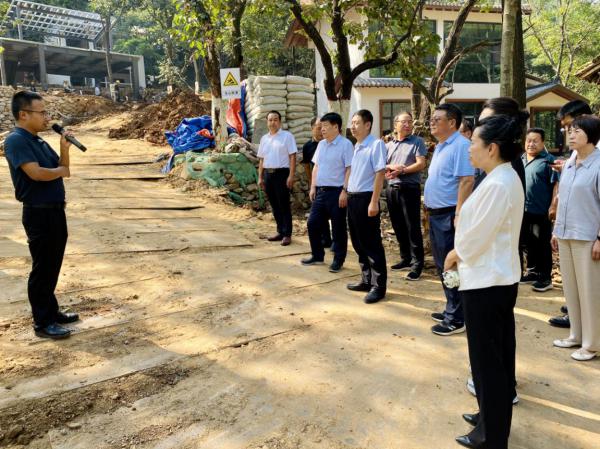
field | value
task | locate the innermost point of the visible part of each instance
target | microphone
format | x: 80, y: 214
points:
x: 60, y: 130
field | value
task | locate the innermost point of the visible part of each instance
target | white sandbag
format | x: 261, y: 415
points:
x: 270, y: 86
x: 299, y: 108
x: 300, y: 121
x: 271, y: 93
x: 301, y: 95
x: 271, y: 100
x: 292, y: 79
x: 299, y: 88
x: 305, y: 103
x: 302, y: 137
x: 295, y: 115
x: 269, y: 79
x: 269, y: 107
x: 300, y: 129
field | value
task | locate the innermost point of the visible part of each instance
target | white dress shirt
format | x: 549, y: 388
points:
x: 487, y: 232
x: 275, y: 149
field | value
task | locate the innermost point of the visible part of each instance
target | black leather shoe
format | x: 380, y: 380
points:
x: 359, y: 287
x: 560, y: 321
x: 563, y: 309
x: 374, y: 295
x: 65, y: 318
x: 471, y: 418
x: 54, y: 331
x: 466, y: 441
x: 275, y: 238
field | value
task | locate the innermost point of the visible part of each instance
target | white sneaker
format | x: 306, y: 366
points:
x: 566, y: 343
x: 471, y: 389
x: 583, y: 355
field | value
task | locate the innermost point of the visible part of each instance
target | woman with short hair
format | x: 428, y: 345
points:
x: 577, y: 238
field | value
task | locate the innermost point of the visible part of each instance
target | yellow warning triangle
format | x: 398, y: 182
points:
x: 230, y: 80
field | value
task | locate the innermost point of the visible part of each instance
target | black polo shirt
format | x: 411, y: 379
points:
x: 21, y: 147
x: 539, y: 182
x: 308, y: 151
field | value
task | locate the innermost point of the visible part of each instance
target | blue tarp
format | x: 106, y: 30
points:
x: 191, y: 135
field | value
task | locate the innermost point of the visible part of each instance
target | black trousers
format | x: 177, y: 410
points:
x: 279, y: 197
x: 535, y: 245
x: 404, y: 206
x: 47, y: 234
x: 365, y: 233
x: 326, y: 207
x: 490, y: 322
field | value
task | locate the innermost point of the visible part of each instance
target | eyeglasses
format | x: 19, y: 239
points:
x: 437, y: 119
x: 39, y: 112
x: 403, y: 122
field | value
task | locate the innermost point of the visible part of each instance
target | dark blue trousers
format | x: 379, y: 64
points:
x: 441, y: 234
x: 279, y: 197
x: 324, y: 208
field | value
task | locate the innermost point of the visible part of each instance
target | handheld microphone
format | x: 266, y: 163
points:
x: 60, y: 130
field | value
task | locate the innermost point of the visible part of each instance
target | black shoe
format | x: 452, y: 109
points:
x: 335, y: 266
x: 542, y: 286
x: 560, y: 321
x: 466, y: 441
x: 275, y: 238
x: 413, y: 276
x: 65, y: 318
x: 438, y: 317
x: 529, y: 278
x: 472, y: 419
x: 54, y: 331
x: 312, y: 260
x: 402, y: 265
x: 374, y: 295
x: 359, y: 287
x: 564, y: 309
x: 446, y: 328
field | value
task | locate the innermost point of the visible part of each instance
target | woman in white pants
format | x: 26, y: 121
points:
x: 577, y: 238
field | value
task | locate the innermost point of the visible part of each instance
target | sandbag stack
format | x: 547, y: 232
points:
x: 264, y: 94
x: 300, y: 107
x: 292, y: 96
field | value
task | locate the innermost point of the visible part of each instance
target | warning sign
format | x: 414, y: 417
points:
x: 230, y: 84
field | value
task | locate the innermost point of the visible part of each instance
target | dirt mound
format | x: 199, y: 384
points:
x: 151, y: 122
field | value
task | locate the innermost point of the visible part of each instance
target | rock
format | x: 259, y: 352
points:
x: 115, y: 397
x: 238, y: 190
x: 74, y: 425
x: 197, y: 166
x: 249, y: 188
x: 14, y: 432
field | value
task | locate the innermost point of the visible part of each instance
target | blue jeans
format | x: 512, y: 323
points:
x: 441, y: 234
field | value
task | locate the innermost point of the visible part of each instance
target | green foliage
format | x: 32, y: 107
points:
x: 562, y: 36
x: 264, y: 28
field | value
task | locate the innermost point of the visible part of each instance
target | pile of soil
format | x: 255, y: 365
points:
x: 151, y: 122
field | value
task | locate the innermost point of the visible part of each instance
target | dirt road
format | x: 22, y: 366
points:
x: 197, y: 333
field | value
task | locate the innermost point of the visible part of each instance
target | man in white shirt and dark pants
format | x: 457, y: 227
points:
x: 276, y: 171
x: 364, y: 189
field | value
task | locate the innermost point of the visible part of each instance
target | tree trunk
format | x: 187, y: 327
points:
x: 342, y: 107
x: 520, y: 87
x: 219, y: 119
x: 196, y: 75
x: 212, y: 67
x: 237, y: 53
x: 507, y: 55
x: 107, y: 49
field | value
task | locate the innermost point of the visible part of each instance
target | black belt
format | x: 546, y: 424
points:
x: 399, y: 185
x: 329, y: 188
x: 441, y: 210
x: 45, y: 205
x: 360, y: 193
x: 274, y: 170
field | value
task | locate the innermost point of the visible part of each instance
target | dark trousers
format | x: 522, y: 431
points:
x: 490, y: 322
x: 279, y: 197
x: 404, y: 206
x: 537, y: 232
x: 365, y: 233
x: 46, y: 231
x: 326, y: 207
x: 441, y: 234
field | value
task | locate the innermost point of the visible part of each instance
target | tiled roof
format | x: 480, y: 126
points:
x: 555, y: 86
x: 384, y: 82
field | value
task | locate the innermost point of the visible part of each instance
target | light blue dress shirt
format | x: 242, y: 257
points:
x: 332, y: 159
x: 578, y: 215
x: 369, y: 158
x: 449, y: 163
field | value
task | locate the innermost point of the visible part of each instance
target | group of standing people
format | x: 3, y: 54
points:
x: 494, y: 214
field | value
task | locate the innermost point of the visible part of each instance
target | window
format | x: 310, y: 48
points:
x: 546, y: 119
x: 388, y: 110
x: 383, y: 72
x: 470, y: 109
x: 482, y: 66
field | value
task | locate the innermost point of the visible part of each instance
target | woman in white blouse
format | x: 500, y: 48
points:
x: 486, y: 252
x: 577, y: 237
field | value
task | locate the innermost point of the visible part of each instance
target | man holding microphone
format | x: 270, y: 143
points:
x: 37, y: 172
